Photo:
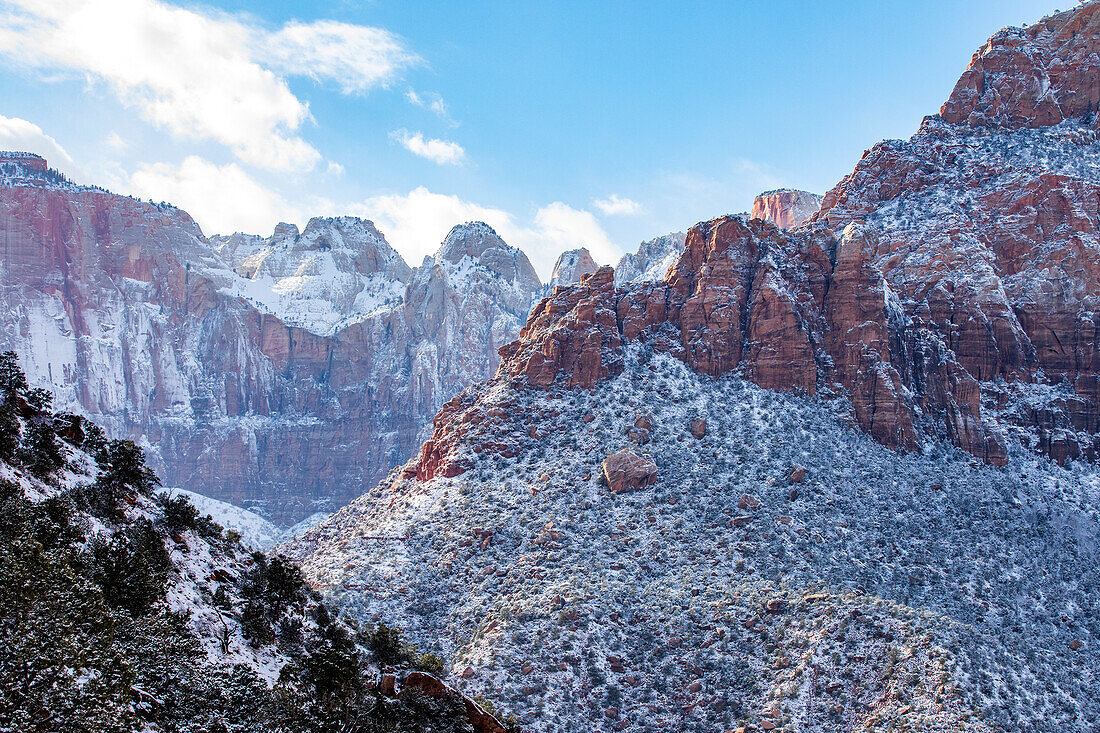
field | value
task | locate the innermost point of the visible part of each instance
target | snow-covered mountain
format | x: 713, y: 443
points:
x: 651, y: 261
x: 826, y: 477
x: 284, y: 374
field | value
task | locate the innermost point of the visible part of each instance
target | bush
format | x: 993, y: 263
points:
x: 269, y: 589
x: 386, y: 645
x: 122, y: 467
x: 178, y: 515
x: 132, y: 568
x: 431, y: 664
x: 41, y: 452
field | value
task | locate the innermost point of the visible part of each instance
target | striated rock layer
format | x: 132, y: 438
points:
x: 286, y: 374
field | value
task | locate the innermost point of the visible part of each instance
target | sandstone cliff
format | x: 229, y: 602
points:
x: 285, y: 374
x: 785, y: 207
x: 948, y: 286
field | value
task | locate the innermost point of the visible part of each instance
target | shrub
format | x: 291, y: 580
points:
x: 132, y: 567
x: 41, y: 452
x: 178, y: 515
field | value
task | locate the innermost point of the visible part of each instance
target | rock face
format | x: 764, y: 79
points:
x: 949, y: 285
x: 1033, y: 77
x: 651, y: 261
x: 785, y: 207
x: 571, y: 266
x: 286, y: 374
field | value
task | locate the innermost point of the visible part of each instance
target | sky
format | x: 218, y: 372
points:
x: 561, y: 124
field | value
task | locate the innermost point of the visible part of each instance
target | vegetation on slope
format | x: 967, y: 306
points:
x: 104, y: 585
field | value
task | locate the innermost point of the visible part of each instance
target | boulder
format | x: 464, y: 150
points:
x: 628, y: 471
x: 698, y: 428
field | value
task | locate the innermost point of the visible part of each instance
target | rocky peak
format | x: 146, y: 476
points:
x: 1035, y: 76
x: 469, y: 240
x: 285, y: 232
x: 785, y: 207
x: 354, y: 243
x: 572, y: 265
x: 480, y: 242
x: 651, y: 261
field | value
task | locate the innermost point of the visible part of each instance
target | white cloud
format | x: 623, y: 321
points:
x: 416, y: 223
x: 615, y: 205
x: 19, y: 134
x: 440, y: 152
x: 115, y: 142
x: 335, y: 169
x: 222, y: 199
x: 431, y: 101
x: 357, y: 57
x: 202, y: 76
x: 560, y: 227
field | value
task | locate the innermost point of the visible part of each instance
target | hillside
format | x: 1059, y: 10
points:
x: 125, y: 609
x: 781, y: 569
x: 830, y: 476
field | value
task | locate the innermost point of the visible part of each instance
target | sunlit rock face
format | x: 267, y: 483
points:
x: 785, y: 207
x: 571, y: 266
x: 286, y: 374
x: 948, y: 286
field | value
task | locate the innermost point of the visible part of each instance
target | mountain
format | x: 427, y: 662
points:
x: 126, y: 609
x: 284, y: 374
x: 652, y: 259
x: 571, y: 266
x: 785, y: 207
x: 826, y: 477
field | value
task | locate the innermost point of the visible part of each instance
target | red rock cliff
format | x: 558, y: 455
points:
x: 961, y: 296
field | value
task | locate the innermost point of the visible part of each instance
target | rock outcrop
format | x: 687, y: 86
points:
x: 785, y: 207
x: 1035, y: 76
x: 948, y: 286
x: 286, y: 374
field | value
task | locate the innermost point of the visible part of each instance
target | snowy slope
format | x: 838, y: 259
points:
x: 884, y: 589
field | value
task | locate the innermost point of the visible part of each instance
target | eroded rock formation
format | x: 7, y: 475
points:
x: 948, y: 286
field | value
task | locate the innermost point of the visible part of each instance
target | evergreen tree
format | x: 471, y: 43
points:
x: 132, y: 567
x: 41, y: 451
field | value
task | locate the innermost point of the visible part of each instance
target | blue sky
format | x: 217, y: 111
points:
x: 561, y: 123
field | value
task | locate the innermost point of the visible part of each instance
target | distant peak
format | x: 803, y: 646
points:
x: 469, y: 239
x: 785, y: 207
x: 572, y: 265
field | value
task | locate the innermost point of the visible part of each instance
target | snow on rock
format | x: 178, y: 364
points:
x: 255, y: 531
x: 918, y: 589
x: 285, y: 374
x: 651, y: 261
